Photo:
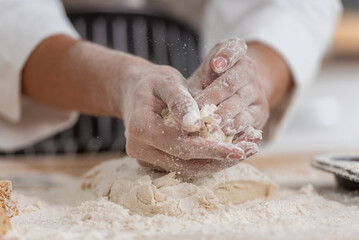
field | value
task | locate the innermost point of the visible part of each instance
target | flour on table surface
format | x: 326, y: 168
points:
x: 306, y: 206
x: 146, y: 192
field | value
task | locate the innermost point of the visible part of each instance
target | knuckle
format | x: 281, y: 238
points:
x: 167, y: 74
x: 230, y: 82
x: 215, y: 97
x: 169, y: 71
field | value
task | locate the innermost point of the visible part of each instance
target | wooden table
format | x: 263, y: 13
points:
x: 21, y: 169
x: 291, y: 171
x: 77, y: 165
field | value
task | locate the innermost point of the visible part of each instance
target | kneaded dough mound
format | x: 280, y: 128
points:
x: 148, y: 193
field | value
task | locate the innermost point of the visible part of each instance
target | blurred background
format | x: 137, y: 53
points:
x: 326, y: 117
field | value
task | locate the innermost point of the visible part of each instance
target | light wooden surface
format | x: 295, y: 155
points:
x: 44, y: 171
x: 77, y: 165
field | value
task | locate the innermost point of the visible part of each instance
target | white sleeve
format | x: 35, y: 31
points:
x: 299, y: 30
x: 24, y: 24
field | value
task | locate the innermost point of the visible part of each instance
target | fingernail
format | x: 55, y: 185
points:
x: 251, y: 151
x: 249, y: 148
x: 237, y: 154
x: 234, y: 156
x: 219, y: 64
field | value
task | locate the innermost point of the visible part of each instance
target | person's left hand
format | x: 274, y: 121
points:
x: 230, y: 79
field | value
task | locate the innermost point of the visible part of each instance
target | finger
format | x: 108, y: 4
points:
x: 195, y: 82
x: 179, y: 102
x: 229, y: 53
x: 255, y: 115
x: 200, y: 148
x: 236, y: 104
x: 250, y: 148
x: 154, y: 132
x: 223, y: 87
x: 145, y: 164
x: 201, y: 78
x: 158, y: 160
x: 249, y: 134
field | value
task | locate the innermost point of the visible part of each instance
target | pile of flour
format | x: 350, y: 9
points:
x: 306, y: 206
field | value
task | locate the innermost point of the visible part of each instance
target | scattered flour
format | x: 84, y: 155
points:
x: 298, y: 210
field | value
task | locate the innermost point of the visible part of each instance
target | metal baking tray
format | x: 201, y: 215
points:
x: 344, y: 167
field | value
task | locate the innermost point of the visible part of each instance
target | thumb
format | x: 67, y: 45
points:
x: 230, y: 51
x: 181, y: 104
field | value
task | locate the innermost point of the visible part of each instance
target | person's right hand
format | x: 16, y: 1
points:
x: 156, y: 145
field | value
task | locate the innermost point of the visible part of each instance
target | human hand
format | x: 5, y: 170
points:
x: 82, y: 76
x: 230, y: 79
x: 156, y: 145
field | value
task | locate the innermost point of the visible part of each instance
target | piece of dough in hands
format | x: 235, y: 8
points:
x: 209, y: 125
x: 148, y: 193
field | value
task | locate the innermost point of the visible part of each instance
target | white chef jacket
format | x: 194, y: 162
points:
x: 299, y: 30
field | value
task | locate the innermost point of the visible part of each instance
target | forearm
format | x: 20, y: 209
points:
x: 78, y: 75
x: 274, y: 71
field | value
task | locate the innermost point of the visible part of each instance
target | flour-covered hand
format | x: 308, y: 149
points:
x: 153, y: 143
x: 230, y: 79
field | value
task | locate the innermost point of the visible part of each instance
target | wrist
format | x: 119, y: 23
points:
x: 77, y: 75
x: 273, y: 70
x: 128, y: 72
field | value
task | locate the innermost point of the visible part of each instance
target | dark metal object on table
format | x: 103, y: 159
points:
x: 160, y: 40
x: 344, y: 167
